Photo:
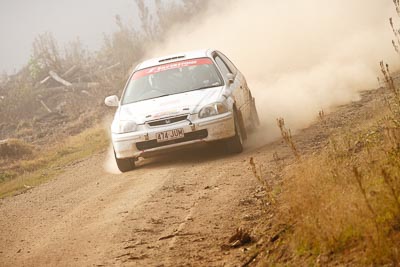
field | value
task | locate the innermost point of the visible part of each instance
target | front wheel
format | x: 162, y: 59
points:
x: 125, y: 165
x: 234, y: 144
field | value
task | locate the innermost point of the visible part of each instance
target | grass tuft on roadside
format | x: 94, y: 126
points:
x: 41, y: 164
x: 14, y: 149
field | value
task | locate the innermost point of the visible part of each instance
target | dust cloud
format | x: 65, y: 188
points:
x: 299, y: 57
x: 110, y: 166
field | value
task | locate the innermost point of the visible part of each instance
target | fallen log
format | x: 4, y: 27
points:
x: 98, y: 71
x: 57, y: 78
x: 45, y: 106
x: 111, y: 67
x: 45, y: 80
x: 70, y: 71
x: 72, y: 88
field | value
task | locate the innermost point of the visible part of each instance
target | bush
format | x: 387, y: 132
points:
x: 15, y: 149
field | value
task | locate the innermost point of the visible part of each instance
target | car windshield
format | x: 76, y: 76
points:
x: 171, y: 78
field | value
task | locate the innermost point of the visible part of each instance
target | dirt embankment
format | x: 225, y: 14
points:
x: 172, y: 211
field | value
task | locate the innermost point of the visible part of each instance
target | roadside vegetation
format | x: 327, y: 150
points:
x: 344, y: 201
x: 338, y: 204
x: 23, y: 166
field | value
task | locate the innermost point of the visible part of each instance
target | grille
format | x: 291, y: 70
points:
x: 188, y: 137
x: 167, y: 121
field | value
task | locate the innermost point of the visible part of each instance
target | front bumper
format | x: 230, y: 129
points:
x: 144, y: 143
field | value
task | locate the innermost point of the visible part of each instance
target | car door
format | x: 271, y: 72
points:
x: 241, y: 91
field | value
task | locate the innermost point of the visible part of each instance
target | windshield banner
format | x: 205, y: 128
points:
x: 170, y: 66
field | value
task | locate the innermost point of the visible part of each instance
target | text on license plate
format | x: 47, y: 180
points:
x: 170, y: 135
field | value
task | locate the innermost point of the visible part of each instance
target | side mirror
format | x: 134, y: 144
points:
x: 231, y: 78
x: 112, y: 101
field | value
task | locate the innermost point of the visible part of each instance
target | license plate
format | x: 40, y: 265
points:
x: 170, y: 135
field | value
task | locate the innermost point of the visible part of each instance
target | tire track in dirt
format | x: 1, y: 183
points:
x: 72, y: 217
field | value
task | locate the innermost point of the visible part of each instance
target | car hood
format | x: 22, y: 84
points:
x: 169, y: 106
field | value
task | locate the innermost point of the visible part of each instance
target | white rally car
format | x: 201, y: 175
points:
x: 181, y: 100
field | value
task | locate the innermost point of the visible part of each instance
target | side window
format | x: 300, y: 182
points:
x: 224, y: 69
x: 229, y: 63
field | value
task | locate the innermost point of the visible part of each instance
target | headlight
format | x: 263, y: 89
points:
x: 120, y: 127
x: 212, y: 110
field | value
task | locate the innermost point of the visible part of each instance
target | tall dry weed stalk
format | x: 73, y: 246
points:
x: 396, y: 33
x: 287, y: 136
x: 258, y: 174
x: 392, y: 182
x: 321, y: 114
x: 396, y: 47
x: 389, y: 80
x: 397, y: 5
x: 359, y: 178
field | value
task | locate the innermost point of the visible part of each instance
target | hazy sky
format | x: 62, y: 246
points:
x: 22, y: 20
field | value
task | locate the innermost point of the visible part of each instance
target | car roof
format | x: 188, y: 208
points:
x: 175, y: 57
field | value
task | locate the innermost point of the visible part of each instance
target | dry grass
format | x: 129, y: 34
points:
x: 346, y: 198
x: 24, y: 173
x: 14, y: 148
x: 343, y: 202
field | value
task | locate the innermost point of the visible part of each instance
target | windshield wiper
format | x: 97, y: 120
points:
x: 204, y: 87
x: 148, y: 98
x: 154, y: 97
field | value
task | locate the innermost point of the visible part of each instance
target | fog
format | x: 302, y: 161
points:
x: 299, y: 57
x: 21, y: 21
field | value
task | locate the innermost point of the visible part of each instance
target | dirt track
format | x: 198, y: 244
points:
x: 169, y: 212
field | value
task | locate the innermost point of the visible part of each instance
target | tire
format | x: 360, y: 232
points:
x: 255, y: 120
x: 125, y: 165
x: 234, y: 145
